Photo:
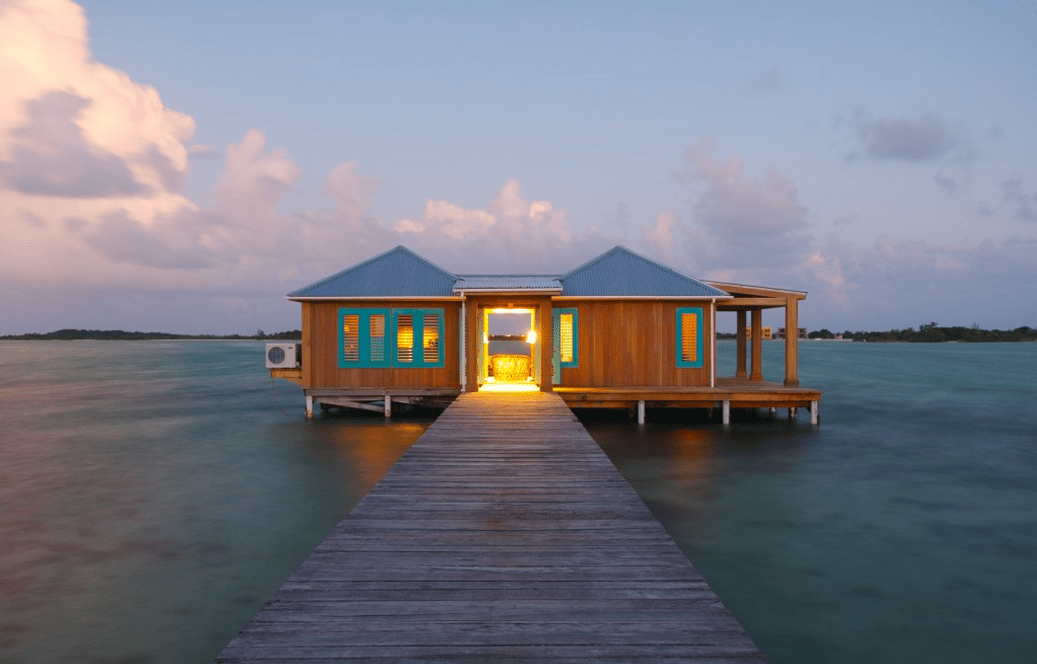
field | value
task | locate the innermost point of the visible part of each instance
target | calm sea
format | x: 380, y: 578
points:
x: 154, y: 494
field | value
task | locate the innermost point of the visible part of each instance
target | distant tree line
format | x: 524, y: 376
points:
x: 934, y: 333
x: 929, y: 332
x: 123, y: 335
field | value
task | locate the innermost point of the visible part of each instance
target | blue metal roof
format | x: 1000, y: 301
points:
x: 516, y: 282
x: 401, y: 273
x: 620, y: 272
x: 398, y: 272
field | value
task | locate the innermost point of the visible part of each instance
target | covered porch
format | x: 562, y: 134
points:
x: 748, y: 304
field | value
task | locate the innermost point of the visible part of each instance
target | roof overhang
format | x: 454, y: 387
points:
x: 375, y: 298
x: 759, y: 291
x: 671, y: 298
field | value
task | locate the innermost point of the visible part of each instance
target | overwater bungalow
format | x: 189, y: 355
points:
x: 620, y: 331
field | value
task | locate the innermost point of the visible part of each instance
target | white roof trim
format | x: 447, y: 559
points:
x: 374, y: 298
x: 645, y: 297
x: 720, y: 284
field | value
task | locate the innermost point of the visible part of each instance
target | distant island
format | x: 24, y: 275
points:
x: 927, y: 333
x: 123, y: 335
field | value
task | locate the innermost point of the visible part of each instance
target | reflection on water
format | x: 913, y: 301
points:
x: 154, y: 494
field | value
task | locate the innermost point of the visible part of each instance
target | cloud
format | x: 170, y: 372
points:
x: 925, y: 139
x: 350, y: 191
x: 82, y: 148
x: 1023, y: 204
x: 946, y: 182
x: 93, y: 165
x: 50, y: 156
x: 899, y: 282
x: 732, y: 203
x: 734, y: 214
x: 120, y: 239
x: 511, y: 233
x: 664, y: 238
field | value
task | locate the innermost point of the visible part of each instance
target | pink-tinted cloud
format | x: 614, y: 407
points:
x: 511, y: 233
x: 81, y: 147
x: 50, y: 156
x: 731, y: 203
x: 734, y: 214
x: 93, y: 165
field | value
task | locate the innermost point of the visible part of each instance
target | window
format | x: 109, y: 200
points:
x: 430, y: 338
x: 351, y: 337
x: 565, y: 336
x: 377, y: 337
x: 566, y: 346
x: 405, y: 338
x: 689, y: 337
x: 372, y: 338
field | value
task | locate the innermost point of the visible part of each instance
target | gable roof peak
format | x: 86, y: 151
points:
x: 398, y: 272
x: 622, y: 272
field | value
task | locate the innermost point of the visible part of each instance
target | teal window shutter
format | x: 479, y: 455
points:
x: 689, y: 337
x: 417, y: 335
x: 362, y: 338
x: 380, y: 338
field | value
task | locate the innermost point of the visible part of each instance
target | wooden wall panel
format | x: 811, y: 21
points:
x: 323, y: 358
x: 632, y: 343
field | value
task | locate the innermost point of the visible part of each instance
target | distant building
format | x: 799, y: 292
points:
x: 765, y: 331
x: 781, y: 333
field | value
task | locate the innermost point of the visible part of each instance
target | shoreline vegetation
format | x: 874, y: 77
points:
x: 927, y: 333
x: 934, y: 333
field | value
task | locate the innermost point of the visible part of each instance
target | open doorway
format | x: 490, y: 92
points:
x: 509, y: 351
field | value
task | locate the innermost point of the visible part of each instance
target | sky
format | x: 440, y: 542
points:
x: 181, y: 166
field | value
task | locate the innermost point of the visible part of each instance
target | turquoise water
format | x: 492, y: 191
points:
x: 154, y: 494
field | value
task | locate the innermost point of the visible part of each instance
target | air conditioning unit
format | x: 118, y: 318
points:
x: 283, y: 355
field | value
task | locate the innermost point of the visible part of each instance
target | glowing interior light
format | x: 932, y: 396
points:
x: 511, y: 311
x: 531, y: 336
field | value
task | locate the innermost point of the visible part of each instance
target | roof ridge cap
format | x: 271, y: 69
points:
x: 424, y: 260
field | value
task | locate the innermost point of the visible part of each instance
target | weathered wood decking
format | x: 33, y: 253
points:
x: 503, y: 534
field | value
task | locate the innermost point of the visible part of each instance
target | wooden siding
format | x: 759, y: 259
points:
x: 320, y: 349
x: 632, y: 343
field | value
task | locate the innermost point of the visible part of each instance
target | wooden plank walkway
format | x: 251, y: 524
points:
x: 504, y: 534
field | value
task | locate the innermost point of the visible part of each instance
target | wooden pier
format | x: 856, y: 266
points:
x: 503, y: 534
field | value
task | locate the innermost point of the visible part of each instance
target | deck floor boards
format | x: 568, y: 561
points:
x: 504, y: 534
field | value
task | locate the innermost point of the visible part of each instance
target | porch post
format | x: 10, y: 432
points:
x: 471, y: 344
x: 791, y: 342
x: 757, y: 331
x: 545, y: 341
x: 740, y: 366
